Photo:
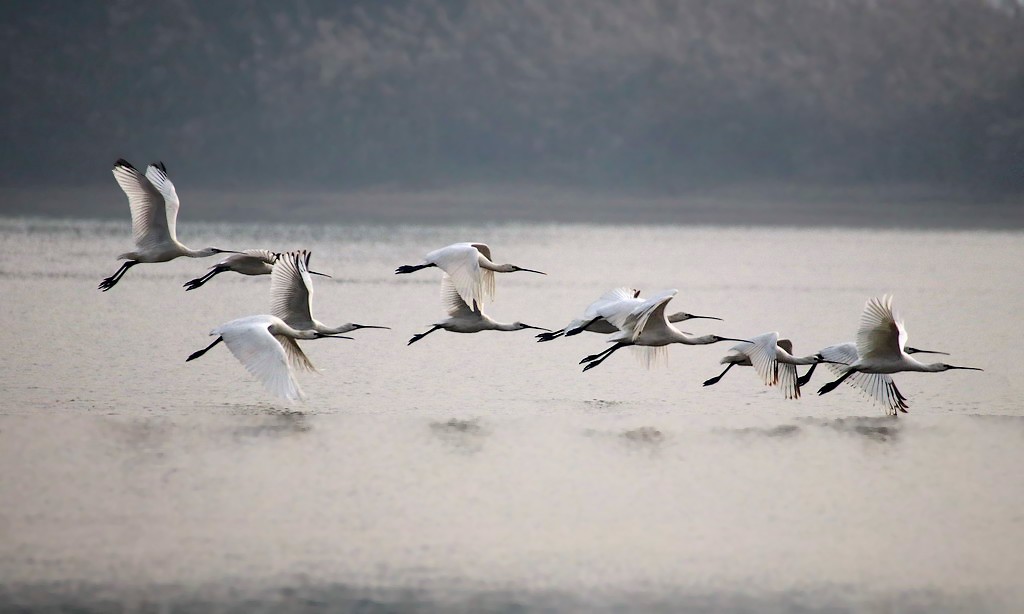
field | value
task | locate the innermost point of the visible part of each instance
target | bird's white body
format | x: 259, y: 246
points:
x: 154, y: 207
x: 246, y: 262
x: 470, y: 268
x: 249, y: 262
x: 880, y: 351
x: 773, y: 360
x: 291, y: 295
x: 464, y: 319
x: 266, y: 346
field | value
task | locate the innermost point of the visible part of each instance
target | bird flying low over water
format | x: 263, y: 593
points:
x: 879, y: 352
x: 591, y: 320
x: 773, y: 360
x: 465, y: 319
x: 154, y: 208
x: 267, y: 347
x: 291, y: 295
x: 470, y: 268
x: 246, y: 262
x: 645, y: 325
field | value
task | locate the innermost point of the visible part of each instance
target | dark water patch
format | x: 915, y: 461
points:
x: 461, y: 434
x: 779, y: 431
x: 81, y: 598
x: 886, y: 429
x: 285, y: 424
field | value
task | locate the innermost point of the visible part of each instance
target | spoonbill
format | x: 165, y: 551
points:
x: 647, y: 326
x: 291, y: 295
x: 154, y: 207
x: 773, y: 360
x: 846, y: 354
x: 880, y: 342
x: 465, y: 319
x: 248, y: 262
x: 470, y: 268
x: 267, y: 348
x: 591, y: 321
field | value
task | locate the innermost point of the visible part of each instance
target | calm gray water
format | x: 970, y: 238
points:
x: 486, y: 472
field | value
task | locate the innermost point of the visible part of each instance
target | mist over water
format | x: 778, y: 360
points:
x: 486, y: 472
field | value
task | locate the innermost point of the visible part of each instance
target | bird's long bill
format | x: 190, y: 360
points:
x: 693, y: 317
x: 966, y: 368
x: 531, y: 271
x: 731, y: 339
x: 547, y: 330
x: 320, y: 274
x: 225, y: 251
x: 369, y: 326
x: 319, y: 336
x: 911, y: 350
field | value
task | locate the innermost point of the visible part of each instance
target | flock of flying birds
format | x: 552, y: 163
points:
x: 267, y: 345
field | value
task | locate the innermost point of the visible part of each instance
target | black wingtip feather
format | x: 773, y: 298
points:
x: 160, y: 165
x: 124, y: 164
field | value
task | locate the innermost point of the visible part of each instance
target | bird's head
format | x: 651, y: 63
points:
x: 944, y: 367
x: 521, y: 326
x: 716, y: 339
x: 213, y: 251
x: 519, y: 268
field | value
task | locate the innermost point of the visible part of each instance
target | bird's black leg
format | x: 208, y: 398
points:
x: 192, y: 284
x: 714, y: 380
x: 608, y: 353
x: 579, y: 330
x: 593, y: 357
x: 206, y: 349
x: 807, y: 376
x: 829, y: 387
x: 416, y: 338
x: 412, y: 268
x: 555, y: 334
x: 111, y: 281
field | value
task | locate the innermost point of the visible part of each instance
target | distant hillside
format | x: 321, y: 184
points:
x: 651, y: 95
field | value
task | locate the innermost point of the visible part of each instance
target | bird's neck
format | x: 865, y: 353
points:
x: 702, y: 340
x: 194, y: 253
x: 344, y: 328
x: 507, y: 327
x: 805, y: 360
x: 500, y: 268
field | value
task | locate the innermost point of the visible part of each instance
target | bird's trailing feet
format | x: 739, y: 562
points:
x: 555, y: 334
x: 412, y: 268
x: 596, y: 359
x: 717, y: 378
x: 829, y: 387
x: 419, y: 336
x: 111, y: 281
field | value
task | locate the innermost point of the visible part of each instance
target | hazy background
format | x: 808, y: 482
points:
x: 784, y: 111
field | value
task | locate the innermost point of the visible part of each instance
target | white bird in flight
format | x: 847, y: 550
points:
x: 464, y: 319
x: 846, y: 354
x: 773, y: 360
x: 291, y: 295
x: 470, y: 268
x: 592, y: 321
x: 881, y: 340
x: 267, y: 348
x: 645, y: 325
x: 154, y: 207
x: 248, y: 262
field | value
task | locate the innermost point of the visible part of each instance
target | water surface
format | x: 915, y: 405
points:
x: 486, y: 472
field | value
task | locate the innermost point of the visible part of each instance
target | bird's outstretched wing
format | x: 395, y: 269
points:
x: 147, y: 204
x: 879, y: 387
x: 157, y: 175
x: 651, y: 311
x: 880, y: 336
x: 452, y: 300
x: 296, y: 357
x: 763, y: 357
x: 788, y: 380
x: 461, y: 262
x: 264, y: 357
x: 291, y: 290
x: 593, y: 310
